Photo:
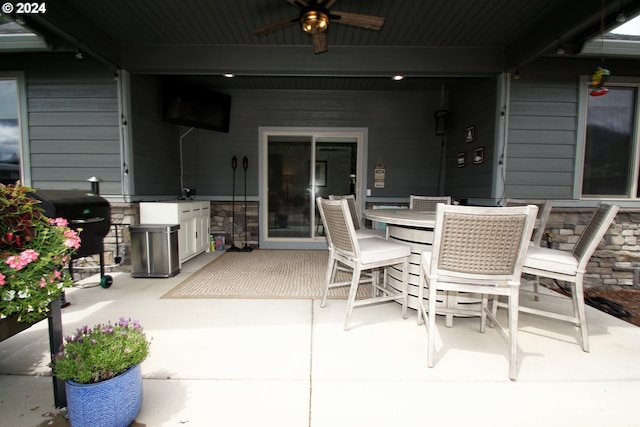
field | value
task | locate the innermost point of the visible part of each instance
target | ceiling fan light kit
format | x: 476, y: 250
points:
x: 314, y: 19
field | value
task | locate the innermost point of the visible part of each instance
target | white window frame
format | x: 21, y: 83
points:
x: 581, y: 138
x: 23, y: 128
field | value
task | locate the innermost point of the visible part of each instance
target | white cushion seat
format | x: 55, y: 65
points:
x: 375, y: 249
x: 547, y: 259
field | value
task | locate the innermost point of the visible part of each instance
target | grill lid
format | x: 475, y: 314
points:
x: 84, y: 210
x: 74, y: 205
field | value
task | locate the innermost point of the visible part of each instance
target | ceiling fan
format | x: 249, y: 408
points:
x: 314, y: 18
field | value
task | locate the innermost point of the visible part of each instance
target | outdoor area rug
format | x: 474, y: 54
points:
x: 262, y: 273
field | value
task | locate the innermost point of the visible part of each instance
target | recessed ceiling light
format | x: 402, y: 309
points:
x: 397, y: 77
x: 228, y: 75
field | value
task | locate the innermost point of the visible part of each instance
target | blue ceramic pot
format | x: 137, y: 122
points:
x: 112, y: 403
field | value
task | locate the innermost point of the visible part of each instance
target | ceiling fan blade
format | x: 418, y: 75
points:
x: 320, y: 42
x: 298, y: 3
x: 328, y: 3
x: 274, y: 26
x: 370, y: 22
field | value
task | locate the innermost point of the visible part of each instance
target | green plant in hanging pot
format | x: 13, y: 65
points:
x: 33, y: 252
x: 101, y: 368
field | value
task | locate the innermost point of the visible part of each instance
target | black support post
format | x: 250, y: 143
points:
x: 55, y: 341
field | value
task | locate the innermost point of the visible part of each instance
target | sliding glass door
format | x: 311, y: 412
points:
x: 297, y: 167
x: 289, y: 187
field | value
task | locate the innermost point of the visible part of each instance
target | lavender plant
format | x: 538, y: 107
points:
x: 105, y: 351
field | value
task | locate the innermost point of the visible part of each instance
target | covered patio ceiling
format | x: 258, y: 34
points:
x: 420, y: 39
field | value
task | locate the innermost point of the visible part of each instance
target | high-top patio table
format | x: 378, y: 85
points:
x: 415, y: 228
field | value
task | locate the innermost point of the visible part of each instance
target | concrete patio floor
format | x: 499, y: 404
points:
x: 288, y: 363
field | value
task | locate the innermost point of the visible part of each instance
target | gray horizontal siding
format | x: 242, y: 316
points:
x: 59, y: 90
x: 43, y: 146
x: 538, y: 108
x: 79, y: 131
x: 62, y: 160
x: 60, y: 174
x: 92, y: 119
x: 526, y: 165
x: 106, y: 188
x: 550, y: 122
x: 542, y: 138
x: 543, y: 177
x: 557, y: 151
x: 74, y: 131
x: 538, y: 192
x: 542, y: 91
x: 73, y: 104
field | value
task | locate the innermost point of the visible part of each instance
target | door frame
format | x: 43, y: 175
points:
x: 360, y: 134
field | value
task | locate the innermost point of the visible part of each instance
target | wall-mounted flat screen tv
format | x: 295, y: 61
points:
x: 195, y: 105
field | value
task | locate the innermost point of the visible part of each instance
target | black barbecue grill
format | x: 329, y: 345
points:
x: 85, y: 211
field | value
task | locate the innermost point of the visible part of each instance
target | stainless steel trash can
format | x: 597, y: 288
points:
x: 154, y: 250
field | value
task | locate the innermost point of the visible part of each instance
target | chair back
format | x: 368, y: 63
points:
x: 427, y: 203
x: 481, y: 243
x: 544, y: 209
x: 339, y: 228
x: 593, y: 233
x: 351, y: 200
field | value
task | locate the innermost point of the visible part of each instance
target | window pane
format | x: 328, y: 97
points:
x: 338, y: 157
x: 9, y: 132
x: 336, y: 169
x: 609, y: 149
x: 289, y: 179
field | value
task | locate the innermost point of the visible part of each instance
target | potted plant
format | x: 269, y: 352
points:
x: 101, y: 368
x: 33, y: 252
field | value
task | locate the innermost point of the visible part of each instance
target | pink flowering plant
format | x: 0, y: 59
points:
x: 34, y: 250
x: 105, y: 351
